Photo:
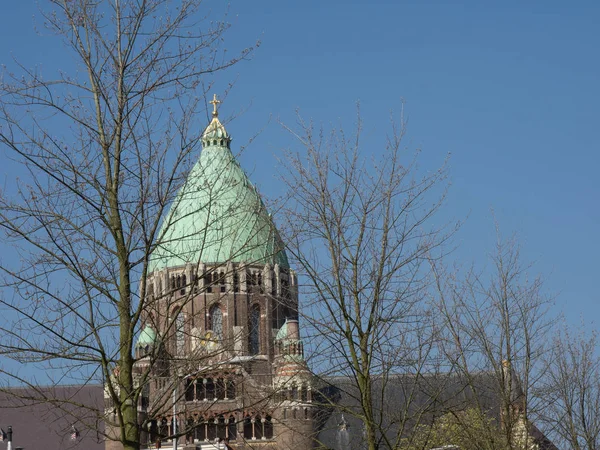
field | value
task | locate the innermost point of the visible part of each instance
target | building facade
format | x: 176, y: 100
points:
x: 220, y: 355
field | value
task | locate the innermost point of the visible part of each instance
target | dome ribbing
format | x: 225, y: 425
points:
x: 217, y: 215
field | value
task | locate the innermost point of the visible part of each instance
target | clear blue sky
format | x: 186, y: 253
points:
x: 511, y: 89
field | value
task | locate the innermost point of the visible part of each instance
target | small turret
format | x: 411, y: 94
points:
x: 512, y: 387
x: 293, y: 386
x: 145, y: 342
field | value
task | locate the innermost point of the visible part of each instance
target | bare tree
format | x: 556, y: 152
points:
x: 571, y: 390
x: 497, y: 324
x: 102, y: 149
x: 360, y: 230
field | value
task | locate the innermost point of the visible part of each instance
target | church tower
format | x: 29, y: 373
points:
x: 222, y: 318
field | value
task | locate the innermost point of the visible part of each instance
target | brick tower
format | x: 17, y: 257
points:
x: 220, y: 355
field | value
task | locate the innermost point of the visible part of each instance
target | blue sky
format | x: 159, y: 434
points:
x: 510, y: 89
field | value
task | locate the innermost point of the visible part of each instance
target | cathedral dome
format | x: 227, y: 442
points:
x: 217, y: 215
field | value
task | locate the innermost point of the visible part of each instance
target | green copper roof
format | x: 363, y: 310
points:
x: 217, y: 216
x: 282, y: 333
x: 147, y: 337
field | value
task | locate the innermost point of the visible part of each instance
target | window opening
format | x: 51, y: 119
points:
x: 190, y: 394
x: 212, y: 430
x: 248, y: 428
x: 254, y: 330
x: 230, y: 389
x: 221, y: 428
x: 200, y: 433
x: 222, y: 281
x: 236, y: 282
x: 231, y: 429
x: 303, y: 394
x: 208, y: 282
x: 258, y: 427
x: 220, y: 388
x: 216, y: 322
x: 180, y: 333
x: 268, y: 428
x: 210, y: 389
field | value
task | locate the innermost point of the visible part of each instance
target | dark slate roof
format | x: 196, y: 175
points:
x: 47, y: 424
x: 404, y: 402
x: 541, y: 439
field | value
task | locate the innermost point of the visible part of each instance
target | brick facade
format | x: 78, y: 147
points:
x: 228, y: 354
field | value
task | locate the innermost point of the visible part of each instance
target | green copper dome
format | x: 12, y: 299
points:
x: 282, y: 333
x: 217, y: 216
x: 147, y: 337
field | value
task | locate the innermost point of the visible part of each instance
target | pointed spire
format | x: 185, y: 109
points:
x: 512, y: 384
x: 215, y: 133
x: 343, y: 425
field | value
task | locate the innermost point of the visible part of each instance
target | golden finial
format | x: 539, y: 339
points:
x: 215, y: 102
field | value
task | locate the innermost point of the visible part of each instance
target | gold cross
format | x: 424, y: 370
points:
x: 215, y: 102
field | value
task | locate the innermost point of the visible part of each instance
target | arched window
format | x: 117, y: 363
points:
x: 236, y: 282
x: 200, y: 433
x: 208, y: 281
x: 222, y: 281
x: 209, y: 387
x: 221, y: 428
x: 163, y: 429
x: 190, y: 394
x: 211, y: 430
x: 152, y: 431
x: 259, y: 424
x: 231, y: 428
x: 254, y: 330
x: 248, y: 428
x: 268, y: 428
x: 216, y: 321
x: 303, y: 393
x: 220, y: 389
x: 183, y: 284
x: 189, y: 430
x: 229, y: 389
x: 180, y: 333
x: 251, y: 280
x: 285, y: 289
